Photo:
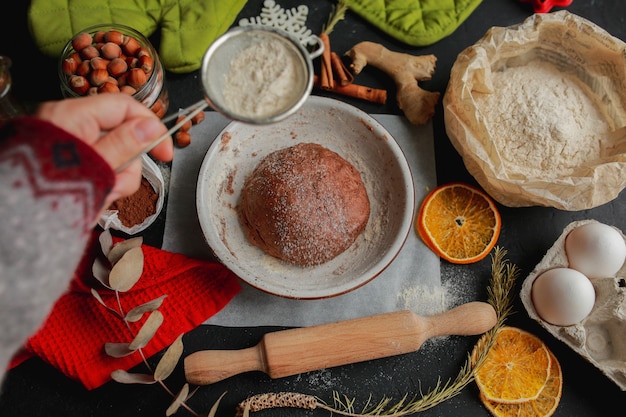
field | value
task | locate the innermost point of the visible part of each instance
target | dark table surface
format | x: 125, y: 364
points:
x: 34, y: 388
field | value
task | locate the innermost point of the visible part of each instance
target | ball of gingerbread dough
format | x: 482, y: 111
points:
x: 304, y: 204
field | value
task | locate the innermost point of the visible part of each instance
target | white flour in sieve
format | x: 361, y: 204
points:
x: 262, y: 80
x: 542, y: 121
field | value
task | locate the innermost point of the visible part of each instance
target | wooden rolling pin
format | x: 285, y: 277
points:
x: 293, y: 351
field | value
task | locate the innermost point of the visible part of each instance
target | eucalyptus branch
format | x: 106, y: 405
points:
x: 500, y: 296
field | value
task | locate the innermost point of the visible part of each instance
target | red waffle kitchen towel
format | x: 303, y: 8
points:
x: 73, y: 337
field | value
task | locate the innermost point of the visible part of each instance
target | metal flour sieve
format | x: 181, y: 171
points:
x: 292, y: 91
x: 256, y: 74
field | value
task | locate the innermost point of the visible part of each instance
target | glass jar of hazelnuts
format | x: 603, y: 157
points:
x: 113, y: 58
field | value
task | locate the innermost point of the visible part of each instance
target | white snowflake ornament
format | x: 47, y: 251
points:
x: 292, y: 21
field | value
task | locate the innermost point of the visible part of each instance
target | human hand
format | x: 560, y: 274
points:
x: 116, y: 126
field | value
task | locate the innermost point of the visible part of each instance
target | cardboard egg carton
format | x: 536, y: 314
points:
x: 601, y: 337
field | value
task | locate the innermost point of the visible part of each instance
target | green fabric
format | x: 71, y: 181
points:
x: 415, y: 22
x: 188, y: 27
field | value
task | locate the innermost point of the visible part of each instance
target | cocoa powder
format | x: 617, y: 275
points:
x: 135, y: 208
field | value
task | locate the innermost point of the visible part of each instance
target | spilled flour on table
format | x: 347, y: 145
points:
x: 428, y: 300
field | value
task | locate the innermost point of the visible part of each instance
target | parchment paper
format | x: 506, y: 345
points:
x: 575, y: 46
x: 415, y: 270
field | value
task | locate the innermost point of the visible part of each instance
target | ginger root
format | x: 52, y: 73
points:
x: 406, y: 70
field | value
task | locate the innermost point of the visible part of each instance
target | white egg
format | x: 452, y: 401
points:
x: 563, y: 296
x: 595, y: 249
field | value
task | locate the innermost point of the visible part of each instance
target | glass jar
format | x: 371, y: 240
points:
x: 9, y: 107
x: 91, y: 58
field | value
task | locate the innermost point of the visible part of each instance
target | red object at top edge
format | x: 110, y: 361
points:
x: 544, y: 6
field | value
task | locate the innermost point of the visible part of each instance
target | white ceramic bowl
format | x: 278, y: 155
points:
x: 342, y: 128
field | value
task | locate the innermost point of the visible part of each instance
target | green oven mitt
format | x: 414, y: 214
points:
x: 188, y: 27
x: 415, y: 22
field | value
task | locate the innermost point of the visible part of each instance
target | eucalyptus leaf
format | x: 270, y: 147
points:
x: 118, y: 350
x: 216, y: 405
x: 137, y: 313
x: 101, y: 272
x: 148, y: 330
x: 122, y: 247
x: 106, y: 242
x: 180, y: 398
x: 170, y: 359
x: 97, y: 296
x: 127, y: 271
x: 124, y: 377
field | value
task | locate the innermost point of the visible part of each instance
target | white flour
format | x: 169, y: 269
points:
x: 262, y: 80
x: 543, y: 121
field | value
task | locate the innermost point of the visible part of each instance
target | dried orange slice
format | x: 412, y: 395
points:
x: 458, y: 222
x: 516, y: 369
x: 543, y: 406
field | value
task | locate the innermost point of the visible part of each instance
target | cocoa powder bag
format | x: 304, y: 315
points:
x: 135, y: 213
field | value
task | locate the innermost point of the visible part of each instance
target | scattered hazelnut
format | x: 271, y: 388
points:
x: 186, y: 126
x: 182, y: 138
x: 198, y: 118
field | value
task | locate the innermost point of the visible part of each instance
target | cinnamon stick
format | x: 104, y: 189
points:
x: 362, y: 92
x: 326, y: 69
x: 342, y: 73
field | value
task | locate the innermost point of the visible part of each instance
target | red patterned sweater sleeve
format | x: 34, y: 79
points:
x: 52, y: 187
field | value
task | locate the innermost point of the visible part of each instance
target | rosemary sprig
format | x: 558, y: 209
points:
x: 500, y: 296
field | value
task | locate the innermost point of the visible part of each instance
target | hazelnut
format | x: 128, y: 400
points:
x: 84, y: 68
x: 136, y: 78
x: 186, y: 126
x: 98, y: 77
x: 132, y: 61
x: 110, y: 50
x: 146, y: 63
x: 89, y: 52
x: 182, y: 138
x: 198, y: 118
x: 131, y: 46
x: 159, y: 108
x: 79, y: 84
x: 108, y: 87
x: 81, y: 41
x: 114, y: 36
x: 98, y: 37
x: 142, y: 52
x: 117, y: 67
x: 69, y: 66
x: 98, y: 63
x: 127, y: 89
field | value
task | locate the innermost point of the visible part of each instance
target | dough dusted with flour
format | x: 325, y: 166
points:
x: 304, y: 204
